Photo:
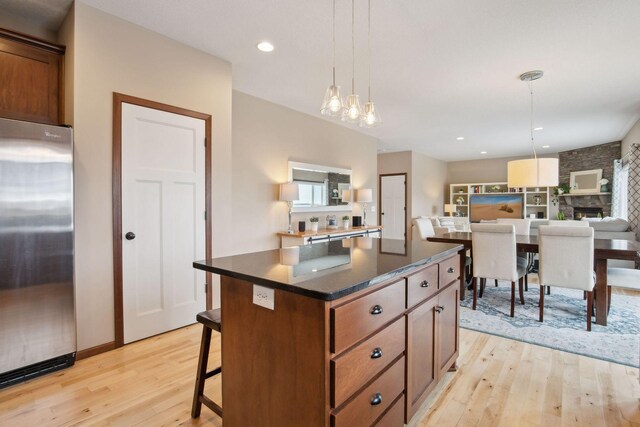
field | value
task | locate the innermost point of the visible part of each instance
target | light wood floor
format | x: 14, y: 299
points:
x: 499, y: 382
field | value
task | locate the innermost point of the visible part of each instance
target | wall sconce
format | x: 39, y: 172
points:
x: 450, y: 209
x: 288, y: 193
x: 364, y: 196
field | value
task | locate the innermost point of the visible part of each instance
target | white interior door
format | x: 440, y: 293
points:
x: 163, y: 204
x: 393, y: 206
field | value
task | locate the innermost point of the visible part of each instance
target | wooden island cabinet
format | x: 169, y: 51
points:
x: 355, y: 337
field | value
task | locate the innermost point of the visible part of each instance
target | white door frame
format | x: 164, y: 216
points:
x: 405, y: 198
x: 118, y: 100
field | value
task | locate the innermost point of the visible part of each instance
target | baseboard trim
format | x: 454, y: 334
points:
x: 102, y: 348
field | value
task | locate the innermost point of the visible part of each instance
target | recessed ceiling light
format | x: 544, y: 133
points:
x: 460, y: 138
x: 483, y: 152
x: 538, y: 128
x: 265, y: 47
x: 546, y: 146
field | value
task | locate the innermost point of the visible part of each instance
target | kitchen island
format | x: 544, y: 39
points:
x: 344, y: 333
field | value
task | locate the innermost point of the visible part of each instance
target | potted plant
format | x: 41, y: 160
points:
x: 345, y: 222
x: 314, y: 223
x: 603, y: 185
x: 561, y: 216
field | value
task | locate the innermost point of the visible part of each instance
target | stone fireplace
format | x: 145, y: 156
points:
x: 579, y: 213
x: 576, y: 206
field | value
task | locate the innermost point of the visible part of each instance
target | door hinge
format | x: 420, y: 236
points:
x: 205, y: 141
x: 205, y: 215
x: 205, y: 288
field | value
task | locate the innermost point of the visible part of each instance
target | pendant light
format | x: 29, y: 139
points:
x: 352, y: 110
x: 532, y: 172
x: 332, y: 104
x: 370, y: 117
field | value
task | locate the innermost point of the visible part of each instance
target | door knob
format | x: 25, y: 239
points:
x: 129, y: 236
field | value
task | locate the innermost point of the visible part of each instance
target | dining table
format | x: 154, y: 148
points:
x: 604, y: 250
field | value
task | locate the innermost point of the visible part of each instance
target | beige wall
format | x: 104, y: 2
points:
x: 426, y: 181
x: 482, y: 170
x: 265, y: 137
x: 429, y: 177
x: 112, y: 55
x: 632, y: 137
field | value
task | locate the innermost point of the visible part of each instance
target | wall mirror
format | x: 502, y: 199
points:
x: 585, y: 181
x: 320, y: 187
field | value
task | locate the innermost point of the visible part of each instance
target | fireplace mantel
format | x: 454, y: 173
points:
x: 602, y: 196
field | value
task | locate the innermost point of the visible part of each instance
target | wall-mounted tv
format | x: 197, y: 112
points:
x: 493, y: 206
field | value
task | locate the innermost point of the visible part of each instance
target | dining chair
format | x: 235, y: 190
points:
x: 423, y: 228
x: 494, y: 257
x: 566, y: 260
x: 568, y: 223
x: 211, y: 320
x: 523, y: 228
x: 626, y: 278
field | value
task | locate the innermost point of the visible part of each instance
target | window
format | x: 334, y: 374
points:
x: 311, y: 193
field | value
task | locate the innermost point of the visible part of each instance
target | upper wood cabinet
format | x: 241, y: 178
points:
x: 31, y: 75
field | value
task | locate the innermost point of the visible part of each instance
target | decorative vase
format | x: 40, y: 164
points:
x: 537, y: 199
x: 314, y: 227
x: 345, y: 224
x: 604, y: 188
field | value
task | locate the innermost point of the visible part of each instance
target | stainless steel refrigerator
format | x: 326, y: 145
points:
x: 37, y: 308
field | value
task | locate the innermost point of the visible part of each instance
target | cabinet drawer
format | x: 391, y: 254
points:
x: 449, y: 270
x: 422, y: 285
x: 357, y: 319
x: 394, y: 416
x: 353, y: 369
x: 371, y: 402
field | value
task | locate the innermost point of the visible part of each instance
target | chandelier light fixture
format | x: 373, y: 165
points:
x: 352, y: 110
x: 370, y: 116
x: 534, y: 172
x: 332, y: 105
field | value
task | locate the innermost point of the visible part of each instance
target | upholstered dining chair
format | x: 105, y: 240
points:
x: 568, y: 223
x: 566, y: 260
x: 626, y: 278
x: 422, y: 228
x: 494, y: 257
x: 523, y: 227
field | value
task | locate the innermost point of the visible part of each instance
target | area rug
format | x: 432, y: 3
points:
x: 564, y: 326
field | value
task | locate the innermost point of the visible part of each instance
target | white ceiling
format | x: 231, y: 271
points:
x: 441, y: 69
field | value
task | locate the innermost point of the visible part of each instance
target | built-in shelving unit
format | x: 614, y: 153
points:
x: 459, y: 195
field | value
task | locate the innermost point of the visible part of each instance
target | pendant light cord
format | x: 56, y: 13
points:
x: 334, y: 42
x: 533, y: 145
x: 369, y: 49
x: 353, y: 47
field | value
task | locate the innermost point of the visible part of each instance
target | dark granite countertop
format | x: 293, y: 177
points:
x: 330, y: 270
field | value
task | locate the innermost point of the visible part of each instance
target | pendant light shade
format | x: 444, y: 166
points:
x: 538, y: 172
x: 352, y: 109
x: 370, y: 116
x: 332, y: 104
x: 534, y: 172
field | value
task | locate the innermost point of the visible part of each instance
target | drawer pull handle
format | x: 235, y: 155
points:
x: 376, y: 309
x: 376, y: 353
x: 439, y: 308
x: 376, y: 399
x: 450, y: 270
x: 424, y: 284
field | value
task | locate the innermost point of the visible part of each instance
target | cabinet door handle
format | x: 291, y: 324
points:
x: 376, y: 353
x: 376, y: 399
x: 450, y: 270
x: 424, y: 284
x: 376, y: 309
x: 439, y: 308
